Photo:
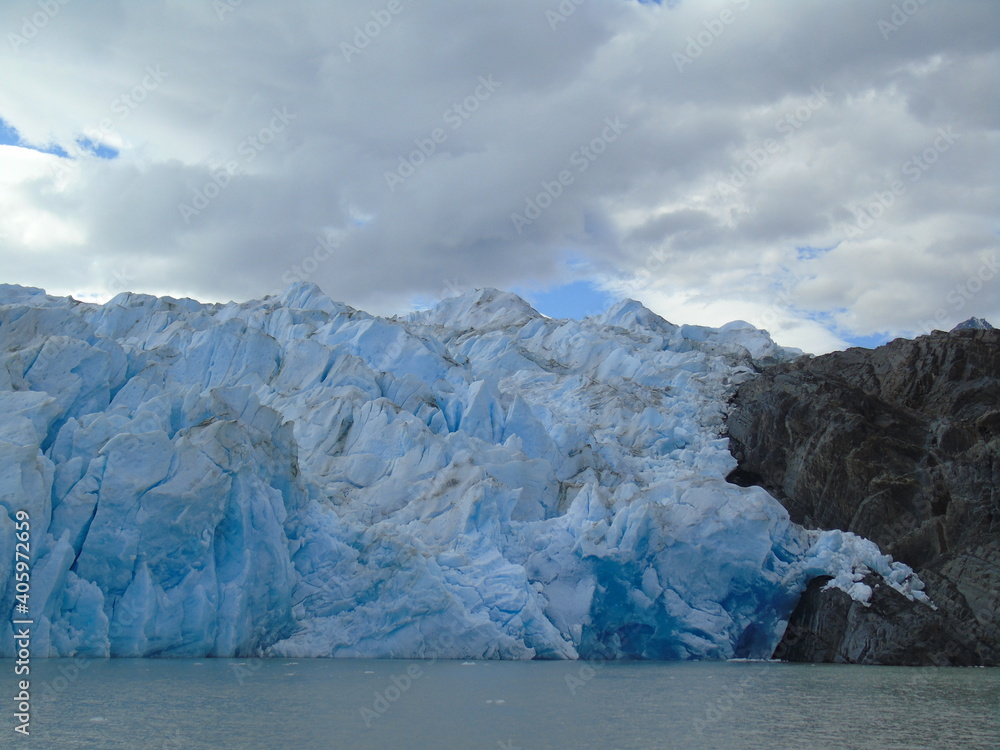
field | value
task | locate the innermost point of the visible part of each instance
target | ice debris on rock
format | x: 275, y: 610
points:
x: 294, y: 477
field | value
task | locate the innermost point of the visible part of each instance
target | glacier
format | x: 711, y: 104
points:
x: 294, y: 477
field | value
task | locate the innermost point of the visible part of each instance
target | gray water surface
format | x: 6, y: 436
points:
x: 448, y: 705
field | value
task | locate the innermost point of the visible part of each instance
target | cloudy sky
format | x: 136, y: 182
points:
x: 825, y: 170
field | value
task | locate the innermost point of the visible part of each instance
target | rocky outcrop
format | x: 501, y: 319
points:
x: 829, y: 626
x: 900, y: 444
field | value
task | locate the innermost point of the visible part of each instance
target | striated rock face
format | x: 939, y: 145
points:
x: 900, y: 445
x: 829, y: 626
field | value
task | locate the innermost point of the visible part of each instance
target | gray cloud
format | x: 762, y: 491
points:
x: 750, y: 130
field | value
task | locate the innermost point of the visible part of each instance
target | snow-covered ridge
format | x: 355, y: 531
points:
x: 292, y: 476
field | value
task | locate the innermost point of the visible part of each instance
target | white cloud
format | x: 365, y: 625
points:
x: 805, y: 111
x: 26, y: 222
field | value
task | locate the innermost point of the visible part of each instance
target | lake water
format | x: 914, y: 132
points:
x: 411, y: 705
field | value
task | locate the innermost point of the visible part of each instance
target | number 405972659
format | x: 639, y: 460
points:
x: 22, y: 562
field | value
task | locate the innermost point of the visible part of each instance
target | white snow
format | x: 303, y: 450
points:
x: 294, y: 477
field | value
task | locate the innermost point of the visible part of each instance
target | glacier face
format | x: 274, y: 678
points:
x: 295, y: 477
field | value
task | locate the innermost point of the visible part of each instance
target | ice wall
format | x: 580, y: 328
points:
x: 295, y: 477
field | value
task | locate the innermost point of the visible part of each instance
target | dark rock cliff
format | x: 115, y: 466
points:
x: 900, y: 444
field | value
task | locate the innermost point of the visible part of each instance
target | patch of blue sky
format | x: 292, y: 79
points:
x: 99, y: 150
x: 868, y: 342
x: 575, y: 300
x: 807, y: 252
x: 828, y: 320
x: 9, y: 136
